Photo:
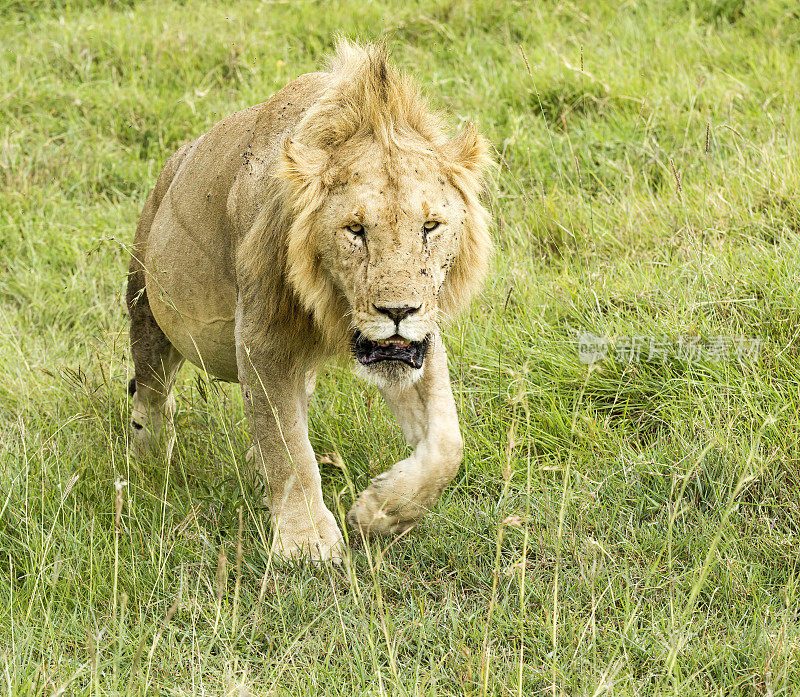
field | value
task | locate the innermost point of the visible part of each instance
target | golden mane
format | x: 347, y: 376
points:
x: 365, y: 99
x: 367, y: 95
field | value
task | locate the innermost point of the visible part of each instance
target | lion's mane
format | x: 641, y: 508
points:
x: 365, y: 98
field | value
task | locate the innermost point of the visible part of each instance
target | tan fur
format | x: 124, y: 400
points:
x: 366, y: 99
x: 244, y: 264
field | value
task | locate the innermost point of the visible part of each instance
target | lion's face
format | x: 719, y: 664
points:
x: 387, y: 244
x: 383, y: 247
x: 387, y: 236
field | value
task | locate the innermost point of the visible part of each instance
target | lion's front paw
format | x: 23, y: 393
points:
x: 319, y: 541
x: 386, y: 507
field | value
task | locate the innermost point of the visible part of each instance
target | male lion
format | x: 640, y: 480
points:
x: 334, y: 218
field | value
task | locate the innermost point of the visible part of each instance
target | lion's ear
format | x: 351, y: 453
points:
x: 301, y: 165
x: 470, y: 150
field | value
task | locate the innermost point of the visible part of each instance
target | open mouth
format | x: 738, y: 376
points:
x: 395, y: 348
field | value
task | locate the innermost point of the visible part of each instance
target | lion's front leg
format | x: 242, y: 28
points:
x: 426, y: 411
x: 275, y: 400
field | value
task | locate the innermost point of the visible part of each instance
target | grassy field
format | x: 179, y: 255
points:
x: 630, y: 527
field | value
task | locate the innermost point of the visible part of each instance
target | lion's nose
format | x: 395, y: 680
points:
x: 397, y: 312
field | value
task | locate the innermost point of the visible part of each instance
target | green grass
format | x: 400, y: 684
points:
x: 629, y: 529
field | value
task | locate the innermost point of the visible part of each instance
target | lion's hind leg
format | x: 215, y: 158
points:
x: 156, y: 363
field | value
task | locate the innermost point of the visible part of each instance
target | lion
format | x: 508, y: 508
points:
x: 337, y: 218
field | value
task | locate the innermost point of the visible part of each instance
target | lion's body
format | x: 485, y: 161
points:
x: 334, y: 218
x: 207, y: 198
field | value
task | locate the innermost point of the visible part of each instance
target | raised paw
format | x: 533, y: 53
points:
x: 387, y: 507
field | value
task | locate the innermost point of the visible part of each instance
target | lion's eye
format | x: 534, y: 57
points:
x: 431, y: 225
x: 356, y: 229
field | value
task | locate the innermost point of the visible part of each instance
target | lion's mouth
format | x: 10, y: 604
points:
x: 395, y: 348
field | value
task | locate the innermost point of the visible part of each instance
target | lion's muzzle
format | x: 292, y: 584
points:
x: 395, y: 348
